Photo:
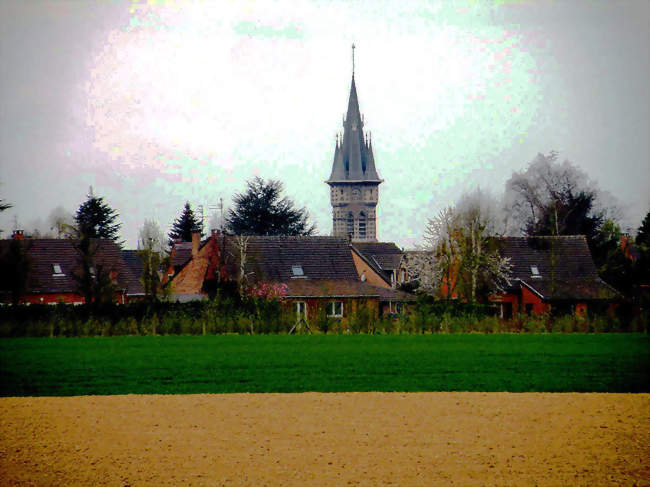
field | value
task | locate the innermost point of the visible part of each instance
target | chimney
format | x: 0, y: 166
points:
x: 18, y: 235
x: 196, y: 242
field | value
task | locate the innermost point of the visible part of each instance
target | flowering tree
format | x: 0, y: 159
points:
x: 422, y: 270
x: 267, y: 292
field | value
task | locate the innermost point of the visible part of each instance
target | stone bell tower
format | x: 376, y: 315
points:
x: 354, y: 182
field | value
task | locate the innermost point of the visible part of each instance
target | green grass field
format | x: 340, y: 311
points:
x: 280, y: 363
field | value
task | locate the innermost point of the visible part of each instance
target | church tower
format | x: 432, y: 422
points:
x: 354, y: 182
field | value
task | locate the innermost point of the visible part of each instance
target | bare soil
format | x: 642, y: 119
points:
x: 327, y: 439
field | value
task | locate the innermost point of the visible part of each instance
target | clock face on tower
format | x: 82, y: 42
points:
x: 356, y: 194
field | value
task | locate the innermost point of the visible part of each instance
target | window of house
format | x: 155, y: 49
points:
x: 362, y: 225
x: 301, y: 310
x: 529, y: 308
x: 335, y: 309
x: 534, y: 271
x: 297, y: 271
x: 350, y: 224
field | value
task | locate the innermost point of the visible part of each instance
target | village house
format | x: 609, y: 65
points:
x: 314, y: 273
x: 552, y: 275
x: 382, y: 258
x: 54, y: 263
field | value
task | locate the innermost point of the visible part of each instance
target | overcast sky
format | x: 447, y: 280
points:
x: 157, y: 104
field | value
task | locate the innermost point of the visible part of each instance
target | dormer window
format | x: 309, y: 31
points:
x: 56, y: 270
x: 534, y: 271
x: 296, y: 271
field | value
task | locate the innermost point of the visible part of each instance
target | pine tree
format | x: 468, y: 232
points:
x: 95, y: 219
x: 262, y: 211
x: 183, y: 227
x: 643, y: 234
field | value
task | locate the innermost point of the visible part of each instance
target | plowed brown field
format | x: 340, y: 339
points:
x: 327, y: 439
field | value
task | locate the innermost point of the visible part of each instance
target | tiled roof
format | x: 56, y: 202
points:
x: 45, y: 253
x: 133, y: 261
x: 182, y: 253
x: 387, y: 255
x: 388, y: 261
x: 565, y: 268
x: 271, y: 259
x: 395, y: 295
x: 333, y: 288
x: 571, y: 289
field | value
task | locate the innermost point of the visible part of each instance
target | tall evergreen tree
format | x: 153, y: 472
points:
x: 15, y: 267
x: 95, y: 219
x: 643, y: 234
x: 262, y: 210
x: 3, y: 206
x: 642, y: 265
x: 93, y: 278
x: 185, y: 224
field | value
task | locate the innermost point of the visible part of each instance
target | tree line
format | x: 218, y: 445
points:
x: 261, y: 209
x: 459, y: 255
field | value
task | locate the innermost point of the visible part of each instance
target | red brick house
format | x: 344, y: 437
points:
x: 378, y: 263
x: 552, y: 274
x: 381, y: 258
x: 315, y: 273
x: 54, y: 262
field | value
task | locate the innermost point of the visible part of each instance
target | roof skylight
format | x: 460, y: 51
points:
x: 297, y: 271
x: 534, y: 271
x: 56, y: 270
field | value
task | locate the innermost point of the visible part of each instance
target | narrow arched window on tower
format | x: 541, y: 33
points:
x: 362, y: 225
x: 350, y: 224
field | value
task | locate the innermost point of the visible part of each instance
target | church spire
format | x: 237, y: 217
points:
x: 354, y: 153
x: 354, y: 182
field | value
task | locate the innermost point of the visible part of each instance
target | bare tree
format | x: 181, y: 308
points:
x: 553, y: 198
x: 241, y: 244
x: 463, y: 240
x: 151, y: 249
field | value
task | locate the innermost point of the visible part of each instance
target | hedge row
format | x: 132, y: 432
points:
x: 263, y: 317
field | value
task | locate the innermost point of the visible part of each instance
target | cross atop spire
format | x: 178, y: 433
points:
x: 353, y: 47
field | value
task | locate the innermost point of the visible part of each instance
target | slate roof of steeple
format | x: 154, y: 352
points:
x: 353, y: 156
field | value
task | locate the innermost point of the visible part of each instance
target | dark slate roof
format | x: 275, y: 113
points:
x: 395, y: 295
x: 181, y: 255
x: 353, y: 156
x: 385, y: 256
x: 330, y: 288
x: 44, y: 253
x: 566, y: 268
x: 133, y: 261
x: 270, y: 259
